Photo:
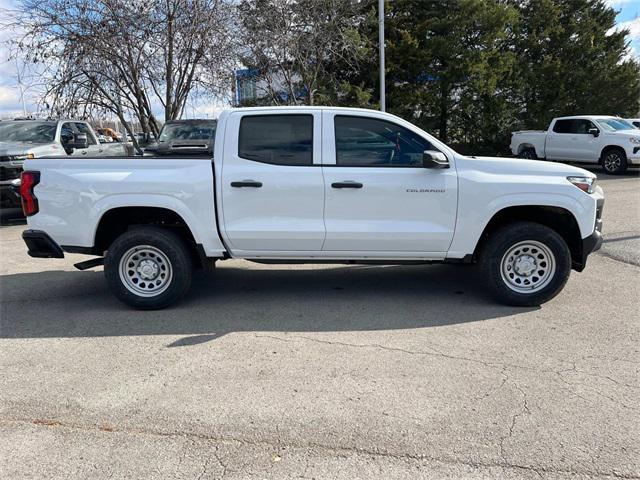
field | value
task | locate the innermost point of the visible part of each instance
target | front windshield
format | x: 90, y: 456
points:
x: 615, y: 124
x: 27, y: 132
x: 188, y: 131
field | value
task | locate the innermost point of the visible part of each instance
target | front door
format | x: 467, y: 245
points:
x: 379, y: 198
x: 272, y: 186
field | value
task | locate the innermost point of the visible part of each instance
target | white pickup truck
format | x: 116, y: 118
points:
x: 611, y: 142
x: 314, y: 185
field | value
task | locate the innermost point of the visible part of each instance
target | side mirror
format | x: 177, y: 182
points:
x: 433, y: 159
x: 80, y: 141
x: 595, y: 132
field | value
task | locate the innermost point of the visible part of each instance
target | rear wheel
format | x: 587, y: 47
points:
x: 525, y: 264
x: 148, y: 268
x: 529, y: 153
x: 614, y: 161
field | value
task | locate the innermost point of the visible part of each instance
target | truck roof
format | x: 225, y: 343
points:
x: 577, y: 117
x: 302, y: 107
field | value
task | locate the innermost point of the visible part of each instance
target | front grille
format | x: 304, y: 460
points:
x: 9, y: 173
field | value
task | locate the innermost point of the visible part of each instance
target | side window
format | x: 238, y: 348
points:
x: 84, y: 128
x: 636, y: 124
x: 66, y: 133
x: 582, y: 126
x: 277, y: 139
x: 369, y: 142
x: 563, y: 126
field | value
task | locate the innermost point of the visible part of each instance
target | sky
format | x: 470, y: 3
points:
x: 10, y: 105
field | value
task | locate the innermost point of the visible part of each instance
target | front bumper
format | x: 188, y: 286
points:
x: 633, y: 157
x: 41, y: 245
x: 593, y: 242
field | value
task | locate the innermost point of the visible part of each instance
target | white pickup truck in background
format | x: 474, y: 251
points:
x: 314, y: 185
x: 23, y: 139
x: 610, y: 141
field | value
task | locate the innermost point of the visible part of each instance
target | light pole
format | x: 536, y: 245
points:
x: 383, y: 105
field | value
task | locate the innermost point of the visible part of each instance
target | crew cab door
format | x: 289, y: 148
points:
x: 271, y: 183
x: 379, y: 197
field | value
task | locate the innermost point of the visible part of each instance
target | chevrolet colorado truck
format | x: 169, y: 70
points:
x: 611, y: 142
x: 314, y: 185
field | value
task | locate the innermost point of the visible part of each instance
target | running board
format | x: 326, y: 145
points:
x: 87, y: 264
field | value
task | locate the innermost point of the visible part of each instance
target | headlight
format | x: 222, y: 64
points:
x: 635, y: 140
x: 586, y: 184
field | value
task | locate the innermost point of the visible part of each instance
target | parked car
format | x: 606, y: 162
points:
x: 609, y: 141
x: 289, y: 184
x: 23, y: 139
x: 184, y: 137
x: 634, y: 121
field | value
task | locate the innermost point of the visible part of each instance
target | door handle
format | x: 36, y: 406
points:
x: 246, y: 183
x: 348, y: 184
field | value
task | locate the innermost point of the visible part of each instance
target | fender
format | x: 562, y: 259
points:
x: 471, y: 223
x: 212, y: 245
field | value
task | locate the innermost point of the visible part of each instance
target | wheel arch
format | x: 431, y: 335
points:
x: 117, y: 220
x: 558, y: 219
x: 609, y: 148
x: 523, y: 146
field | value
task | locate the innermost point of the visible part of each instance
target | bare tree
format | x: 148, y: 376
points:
x: 132, y: 56
x: 294, y: 44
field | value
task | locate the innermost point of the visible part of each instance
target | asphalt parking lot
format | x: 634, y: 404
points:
x: 324, y: 371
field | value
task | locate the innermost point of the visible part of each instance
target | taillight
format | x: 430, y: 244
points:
x: 28, y: 180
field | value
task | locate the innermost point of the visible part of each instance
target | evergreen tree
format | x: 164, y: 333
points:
x: 571, y: 62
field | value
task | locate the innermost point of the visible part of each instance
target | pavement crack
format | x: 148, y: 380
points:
x: 337, y: 451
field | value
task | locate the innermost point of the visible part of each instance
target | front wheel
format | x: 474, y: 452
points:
x: 525, y: 264
x: 148, y: 268
x: 614, y: 161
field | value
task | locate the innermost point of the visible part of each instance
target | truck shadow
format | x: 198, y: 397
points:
x: 63, y: 304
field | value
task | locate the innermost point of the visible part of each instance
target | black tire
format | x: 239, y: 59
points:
x: 529, y: 153
x: 167, y: 257
x: 614, y: 161
x: 551, y: 273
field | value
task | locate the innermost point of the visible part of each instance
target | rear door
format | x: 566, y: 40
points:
x: 271, y: 183
x: 559, y: 141
x: 379, y: 198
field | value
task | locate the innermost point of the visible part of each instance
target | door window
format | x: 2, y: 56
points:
x: 277, y: 139
x: 369, y: 142
x: 576, y: 126
x: 84, y: 128
x: 66, y: 133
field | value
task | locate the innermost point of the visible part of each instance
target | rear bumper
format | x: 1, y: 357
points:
x: 10, y: 195
x: 41, y: 245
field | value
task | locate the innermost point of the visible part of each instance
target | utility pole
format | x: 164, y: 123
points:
x: 383, y: 102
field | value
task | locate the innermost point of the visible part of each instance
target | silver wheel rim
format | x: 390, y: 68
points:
x: 612, y: 162
x: 528, y: 267
x: 145, y: 271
